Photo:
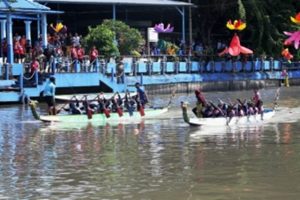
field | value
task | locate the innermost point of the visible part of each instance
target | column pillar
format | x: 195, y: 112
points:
x: 10, y: 52
x: 28, y: 30
x: 44, y: 30
x: 3, y: 28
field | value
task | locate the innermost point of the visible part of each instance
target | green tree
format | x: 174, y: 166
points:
x: 103, y: 38
x: 128, y: 39
x: 113, y: 38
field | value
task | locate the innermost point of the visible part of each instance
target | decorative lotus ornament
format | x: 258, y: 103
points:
x: 59, y: 27
x: 296, y: 19
x: 160, y: 28
x: 294, y: 38
x: 286, y: 54
x: 238, y: 25
x: 235, y: 48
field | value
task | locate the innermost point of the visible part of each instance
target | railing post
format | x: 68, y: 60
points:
x: 149, y: 67
x: 112, y: 74
x: 76, y: 66
x: 142, y: 79
x: 134, y: 68
x: 36, y: 76
x: 53, y: 66
x: 96, y: 65
x: 189, y: 66
x: 176, y: 66
x: 6, y: 74
x: 123, y: 77
x: 21, y: 81
x: 271, y: 64
x: 162, y: 65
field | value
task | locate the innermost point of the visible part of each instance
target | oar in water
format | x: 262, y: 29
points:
x: 276, y: 98
x: 89, y: 111
x: 173, y: 94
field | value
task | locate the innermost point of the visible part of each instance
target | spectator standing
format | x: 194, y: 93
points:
x: 93, y: 57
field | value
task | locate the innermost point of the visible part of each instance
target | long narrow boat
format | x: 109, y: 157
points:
x: 98, y: 118
x: 225, y: 121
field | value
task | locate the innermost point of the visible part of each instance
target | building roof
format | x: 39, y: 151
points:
x: 21, y: 4
x: 24, y: 6
x: 123, y: 2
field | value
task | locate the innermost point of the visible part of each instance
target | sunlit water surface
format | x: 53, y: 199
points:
x: 157, y: 159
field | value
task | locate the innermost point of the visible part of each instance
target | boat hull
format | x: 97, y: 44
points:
x: 100, y: 118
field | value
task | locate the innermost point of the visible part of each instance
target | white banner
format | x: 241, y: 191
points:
x: 152, y: 35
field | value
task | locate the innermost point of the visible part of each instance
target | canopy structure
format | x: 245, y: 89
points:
x: 124, y: 2
x: 22, y: 9
x: 179, y: 5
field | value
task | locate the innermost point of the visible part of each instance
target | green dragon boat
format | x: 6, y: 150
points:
x: 98, y: 118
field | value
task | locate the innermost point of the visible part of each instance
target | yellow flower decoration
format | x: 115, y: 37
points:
x: 296, y: 19
x: 58, y: 27
x: 236, y: 25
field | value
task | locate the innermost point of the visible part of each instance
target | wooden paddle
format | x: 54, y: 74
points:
x: 276, y: 98
x: 89, y: 111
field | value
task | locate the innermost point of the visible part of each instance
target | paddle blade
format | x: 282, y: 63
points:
x: 89, y: 113
x: 106, y: 112
x: 142, y: 111
x: 120, y: 112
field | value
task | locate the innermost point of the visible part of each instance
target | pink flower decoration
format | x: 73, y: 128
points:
x: 294, y: 38
x: 235, y: 48
x: 160, y: 28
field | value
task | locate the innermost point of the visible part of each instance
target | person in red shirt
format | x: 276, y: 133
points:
x: 16, y: 50
x: 34, y: 66
x: 74, y: 56
x: 93, y: 56
x: 80, y: 54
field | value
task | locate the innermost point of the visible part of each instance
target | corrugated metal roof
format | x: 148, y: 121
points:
x: 125, y: 2
x: 22, y: 4
x: 25, y: 6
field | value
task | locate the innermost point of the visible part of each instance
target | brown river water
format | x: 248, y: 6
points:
x: 154, y: 160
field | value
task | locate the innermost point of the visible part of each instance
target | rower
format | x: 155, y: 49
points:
x: 129, y: 103
x: 142, y: 97
x: 74, y: 108
x: 200, y: 104
x: 256, y: 97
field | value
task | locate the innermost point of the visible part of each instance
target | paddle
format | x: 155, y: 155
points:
x: 89, y: 111
x: 173, y: 94
x: 276, y: 98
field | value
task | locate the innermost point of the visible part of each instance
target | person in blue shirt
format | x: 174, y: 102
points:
x: 49, y: 94
x: 142, y: 97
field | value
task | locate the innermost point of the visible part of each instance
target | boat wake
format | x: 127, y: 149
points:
x: 282, y: 115
x: 286, y: 115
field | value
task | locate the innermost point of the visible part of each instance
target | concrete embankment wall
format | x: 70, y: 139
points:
x: 215, y: 86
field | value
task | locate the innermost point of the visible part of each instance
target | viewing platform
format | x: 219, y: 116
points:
x: 17, y: 84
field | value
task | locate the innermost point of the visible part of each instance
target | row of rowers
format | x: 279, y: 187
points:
x: 206, y: 108
x: 104, y: 105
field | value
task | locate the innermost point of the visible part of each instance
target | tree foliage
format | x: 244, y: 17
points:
x: 114, y: 37
x: 103, y: 39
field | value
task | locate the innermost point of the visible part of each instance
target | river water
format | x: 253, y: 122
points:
x: 154, y: 160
